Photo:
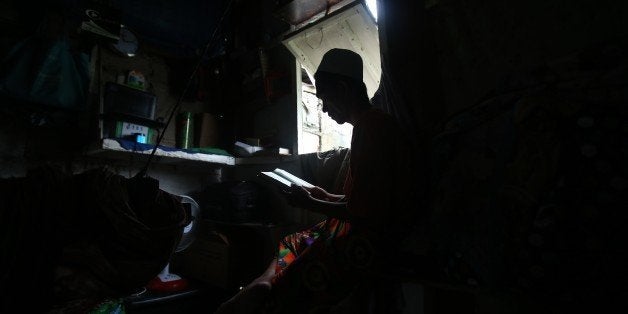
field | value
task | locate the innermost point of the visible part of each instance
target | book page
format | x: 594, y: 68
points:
x: 277, y: 177
x: 292, y: 178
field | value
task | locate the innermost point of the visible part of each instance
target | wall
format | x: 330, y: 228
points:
x: 489, y: 40
x: 20, y: 150
x: 461, y: 50
x: 449, y: 55
x: 157, y: 73
x: 64, y: 137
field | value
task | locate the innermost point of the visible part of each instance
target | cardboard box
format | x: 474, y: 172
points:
x: 206, y: 259
x: 206, y: 130
x: 227, y: 255
x: 127, y: 130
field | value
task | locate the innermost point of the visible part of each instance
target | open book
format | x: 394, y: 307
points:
x: 284, y: 178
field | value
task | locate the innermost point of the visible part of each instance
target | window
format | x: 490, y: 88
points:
x: 351, y: 27
x: 372, y: 6
x: 318, y: 132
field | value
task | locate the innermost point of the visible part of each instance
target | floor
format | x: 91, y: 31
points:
x: 198, y: 299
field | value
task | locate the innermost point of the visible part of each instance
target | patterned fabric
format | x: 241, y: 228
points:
x: 319, y: 267
x: 293, y: 245
x: 532, y: 186
x: 318, y: 276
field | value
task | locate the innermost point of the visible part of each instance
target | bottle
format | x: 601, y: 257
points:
x: 185, y: 130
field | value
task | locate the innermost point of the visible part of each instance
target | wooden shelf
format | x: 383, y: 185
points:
x: 111, y: 149
x: 261, y: 160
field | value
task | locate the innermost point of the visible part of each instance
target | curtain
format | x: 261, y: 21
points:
x: 408, y: 88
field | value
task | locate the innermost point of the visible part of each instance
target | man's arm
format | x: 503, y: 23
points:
x: 321, y: 194
x: 373, y: 162
x: 333, y: 205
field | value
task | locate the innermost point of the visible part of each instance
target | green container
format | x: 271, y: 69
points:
x: 185, y: 130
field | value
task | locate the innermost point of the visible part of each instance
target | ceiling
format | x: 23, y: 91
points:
x: 175, y: 28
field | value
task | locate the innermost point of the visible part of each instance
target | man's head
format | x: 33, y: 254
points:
x: 339, y: 85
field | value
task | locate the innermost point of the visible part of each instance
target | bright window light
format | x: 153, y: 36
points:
x: 354, y: 29
x: 372, y: 6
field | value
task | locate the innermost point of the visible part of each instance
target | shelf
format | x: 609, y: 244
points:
x: 111, y: 149
x: 261, y: 160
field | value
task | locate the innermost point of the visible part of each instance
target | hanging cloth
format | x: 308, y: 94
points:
x: 46, y: 71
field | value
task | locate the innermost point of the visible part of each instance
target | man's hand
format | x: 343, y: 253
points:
x: 317, y: 200
x: 299, y: 196
x: 318, y: 193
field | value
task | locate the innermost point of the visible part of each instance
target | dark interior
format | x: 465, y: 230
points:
x: 518, y: 110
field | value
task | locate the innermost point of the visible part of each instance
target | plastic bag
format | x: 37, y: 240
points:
x: 48, y: 73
